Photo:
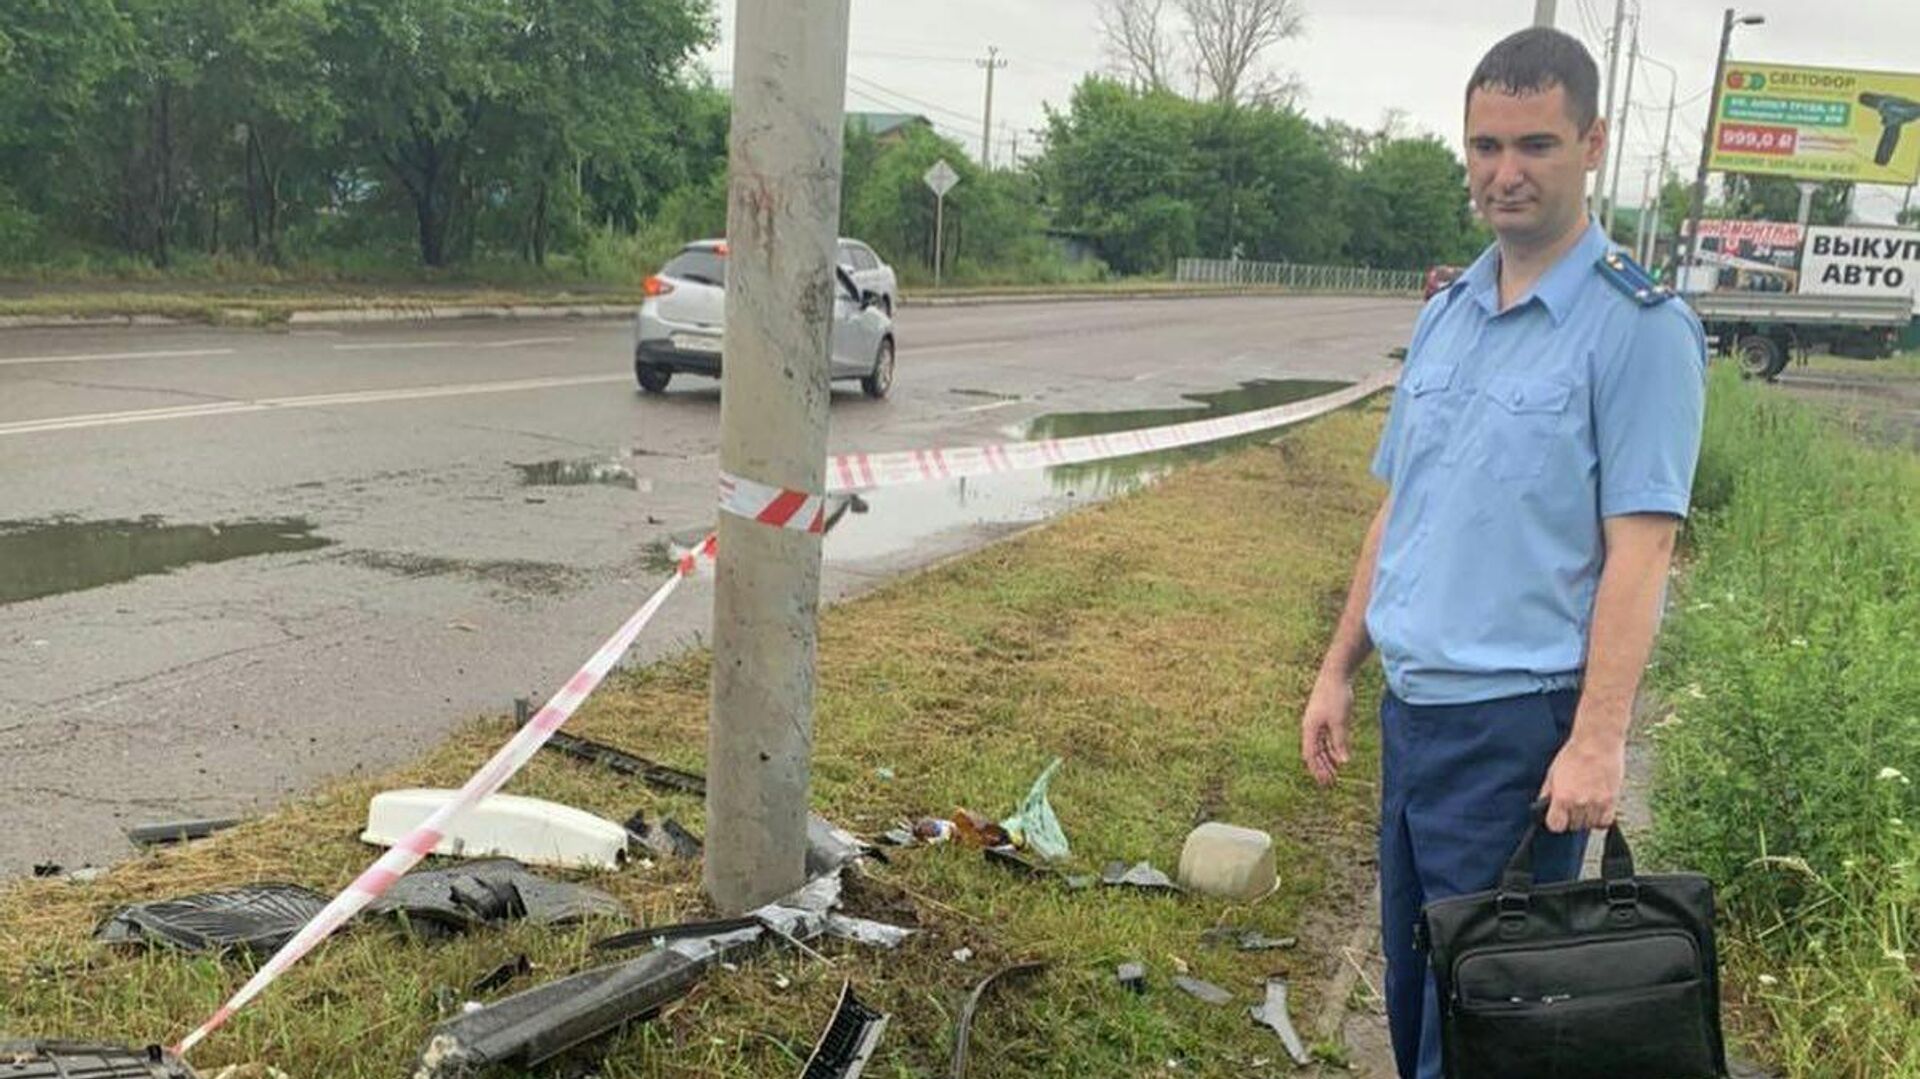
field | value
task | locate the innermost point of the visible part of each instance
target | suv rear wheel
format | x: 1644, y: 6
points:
x: 652, y: 379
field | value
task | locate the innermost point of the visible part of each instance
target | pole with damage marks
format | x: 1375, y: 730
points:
x: 789, y: 78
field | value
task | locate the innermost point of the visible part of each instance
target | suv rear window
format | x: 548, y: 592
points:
x: 697, y: 264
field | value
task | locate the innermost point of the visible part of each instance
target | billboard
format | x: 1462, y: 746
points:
x: 1818, y: 123
x: 1861, y: 262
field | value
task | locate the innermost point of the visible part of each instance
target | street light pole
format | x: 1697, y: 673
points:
x: 1543, y: 12
x: 1699, y: 201
x: 783, y: 212
x: 1652, y: 241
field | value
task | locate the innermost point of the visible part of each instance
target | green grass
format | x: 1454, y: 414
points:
x: 1791, y: 666
x: 1901, y: 365
x: 1163, y: 643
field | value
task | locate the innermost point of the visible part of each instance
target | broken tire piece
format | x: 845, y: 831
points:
x: 256, y: 919
x: 1273, y: 1015
x: 475, y: 894
x: 963, y: 1031
x: 83, y: 1060
x: 1200, y: 990
x: 849, y: 1040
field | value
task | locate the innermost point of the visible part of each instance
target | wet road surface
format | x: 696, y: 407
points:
x: 234, y: 564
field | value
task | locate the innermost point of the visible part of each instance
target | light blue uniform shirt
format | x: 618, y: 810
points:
x: 1513, y: 434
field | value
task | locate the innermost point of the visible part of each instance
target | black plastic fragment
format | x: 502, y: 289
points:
x: 502, y: 974
x: 487, y: 892
x: 660, y: 934
x: 538, y: 1024
x: 849, y: 1040
x: 1132, y: 977
x: 256, y: 919
x: 617, y: 760
x: 668, y: 839
x: 963, y: 1031
x: 87, y: 1060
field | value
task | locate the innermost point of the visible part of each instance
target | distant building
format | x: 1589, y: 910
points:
x: 887, y: 128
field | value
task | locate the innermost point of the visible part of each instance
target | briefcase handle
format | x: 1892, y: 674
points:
x: 1616, y: 862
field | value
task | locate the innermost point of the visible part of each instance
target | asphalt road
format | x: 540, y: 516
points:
x: 414, y: 574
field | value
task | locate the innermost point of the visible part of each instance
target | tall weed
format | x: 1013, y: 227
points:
x: 1792, y: 669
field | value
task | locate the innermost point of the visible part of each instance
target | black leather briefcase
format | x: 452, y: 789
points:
x: 1594, y: 979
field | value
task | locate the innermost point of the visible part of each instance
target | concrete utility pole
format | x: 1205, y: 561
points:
x: 1543, y: 12
x: 783, y: 208
x: 1613, y: 70
x: 1620, y: 150
x: 1666, y: 139
x: 1807, y: 188
x: 1640, y: 226
x: 992, y: 63
x: 1727, y: 23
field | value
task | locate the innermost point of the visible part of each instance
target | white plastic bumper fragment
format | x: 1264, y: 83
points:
x: 532, y: 830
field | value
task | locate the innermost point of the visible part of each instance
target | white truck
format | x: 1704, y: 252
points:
x: 1852, y: 295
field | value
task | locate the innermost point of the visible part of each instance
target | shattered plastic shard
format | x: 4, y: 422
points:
x: 257, y: 919
x: 1273, y: 1014
x: 464, y: 897
x: 849, y: 1040
x: 1206, y: 991
x: 87, y: 1060
x: 1139, y: 875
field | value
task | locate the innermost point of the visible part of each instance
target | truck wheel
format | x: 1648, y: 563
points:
x: 1760, y: 356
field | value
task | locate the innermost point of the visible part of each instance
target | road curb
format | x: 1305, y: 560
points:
x: 451, y: 312
x: 442, y: 312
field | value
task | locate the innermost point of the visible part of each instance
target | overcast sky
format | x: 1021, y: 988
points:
x: 1358, y: 58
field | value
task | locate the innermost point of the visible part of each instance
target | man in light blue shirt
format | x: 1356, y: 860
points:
x: 1539, y: 455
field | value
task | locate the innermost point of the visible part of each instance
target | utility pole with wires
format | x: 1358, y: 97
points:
x: 1613, y: 71
x: 1543, y: 12
x: 783, y: 214
x: 1652, y: 241
x: 992, y: 63
x: 1620, y: 151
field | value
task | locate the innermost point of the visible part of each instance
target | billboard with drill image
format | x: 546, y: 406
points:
x: 1818, y: 123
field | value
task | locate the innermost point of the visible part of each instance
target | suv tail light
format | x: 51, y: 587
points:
x: 657, y: 286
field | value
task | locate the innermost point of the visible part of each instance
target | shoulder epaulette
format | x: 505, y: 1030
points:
x: 1631, y: 278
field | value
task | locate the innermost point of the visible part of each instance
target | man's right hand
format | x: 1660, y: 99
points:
x: 1323, y: 728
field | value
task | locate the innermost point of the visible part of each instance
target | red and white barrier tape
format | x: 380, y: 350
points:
x: 852, y: 472
x: 778, y: 508
x: 773, y: 506
x: 404, y: 855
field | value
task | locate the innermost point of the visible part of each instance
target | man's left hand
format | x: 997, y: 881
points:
x: 1583, y: 783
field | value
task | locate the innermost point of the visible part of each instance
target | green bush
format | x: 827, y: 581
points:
x: 1791, y: 667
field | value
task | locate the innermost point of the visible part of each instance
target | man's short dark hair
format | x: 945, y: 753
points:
x: 1536, y: 60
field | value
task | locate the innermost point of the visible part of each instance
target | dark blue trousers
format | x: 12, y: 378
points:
x: 1456, y: 783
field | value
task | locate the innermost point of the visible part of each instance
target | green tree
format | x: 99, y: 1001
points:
x: 1409, y: 207
x: 1119, y: 166
x: 471, y: 102
x: 1776, y: 198
x: 992, y: 220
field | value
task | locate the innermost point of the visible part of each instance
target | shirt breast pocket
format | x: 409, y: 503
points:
x: 1521, y: 425
x: 1429, y: 419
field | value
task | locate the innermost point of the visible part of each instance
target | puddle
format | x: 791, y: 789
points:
x: 582, y: 472
x: 904, y: 516
x: 53, y: 557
